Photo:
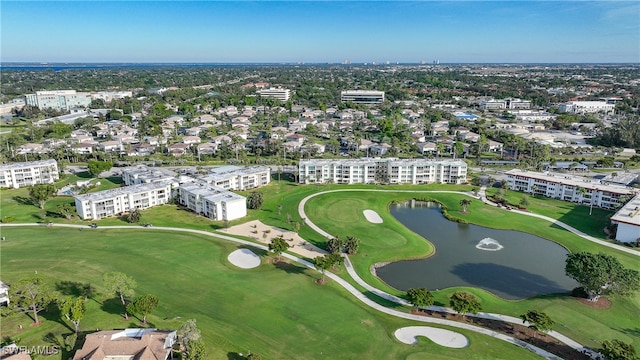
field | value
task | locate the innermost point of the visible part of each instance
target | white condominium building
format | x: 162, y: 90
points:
x: 628, y: 220
x: 568, y: 187
x: 238, y: 178
x: 23, y: 174
x: 212, y: 202
x: 362, y: 96
x: 142, y: 174
x: 375, y: 170
x: 508, y: 103
x: 277, y: 93
x: 582, y: 107
x: 115, y: 201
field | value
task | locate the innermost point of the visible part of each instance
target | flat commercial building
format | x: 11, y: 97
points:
x: 30, y: 173
x: 362, y: 96
x: 211, y: 201
x: 582, y: 107
x: 276, y: 93
x: 628, y: 220
x: 568, y: 187
x: 238, y: 178
x: 58, y: 99
x: 115, y: 201
x: 377, y: 170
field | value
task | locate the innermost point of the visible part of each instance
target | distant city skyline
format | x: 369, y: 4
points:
x: 320, y: 31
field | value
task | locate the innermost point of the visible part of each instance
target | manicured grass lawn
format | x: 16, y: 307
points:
x: 277, y: 311
x: 341, y: 214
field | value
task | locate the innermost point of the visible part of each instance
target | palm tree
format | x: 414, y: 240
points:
x: 464, y: 203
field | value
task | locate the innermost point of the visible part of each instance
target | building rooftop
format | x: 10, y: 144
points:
x: 226, y: 172
x: 373, y: 161
x: 210, y: 192
x: 133, y: 189
x: 127, y: 344
x: 20, y: 165
x: 629, y: 213
x: 573, y: 180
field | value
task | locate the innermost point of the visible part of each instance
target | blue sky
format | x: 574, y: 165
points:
x: 320, y: 31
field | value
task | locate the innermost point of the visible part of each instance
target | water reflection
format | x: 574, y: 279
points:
x: 524, y: 266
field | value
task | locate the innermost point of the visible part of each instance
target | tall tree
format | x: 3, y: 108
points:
x: 278, y: 245
x: 31, y: 295
x: 133, y: 216
x: 323, y: 264
x: 143, y: 305
x: 255, y: 200
x: 188, y: 331
x: 464, y: 302
x: 465, y: 203
x: 40, y: 193
x: 334, y: 245
x: 601, y: 274
x: 538, y: 320
x: 67, y: 210
x: 420, y: 297
x: 97, y: 167
x: 351, y: 245
x: 195, y: 350
x: 73, y: 310
x: 618, y: 350
x: 120, y: 284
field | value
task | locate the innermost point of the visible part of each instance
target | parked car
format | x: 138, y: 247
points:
x: 93, y: 225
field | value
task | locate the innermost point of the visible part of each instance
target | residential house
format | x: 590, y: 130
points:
x: 140, y: 344
x: 110, y: 146
x: 4, y: 294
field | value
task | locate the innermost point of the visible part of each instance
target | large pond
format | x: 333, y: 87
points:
x: 510, y: 264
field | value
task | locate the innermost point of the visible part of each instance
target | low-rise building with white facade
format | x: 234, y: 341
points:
x: 567, y: 187
x: 111, y: 202
x: 376, y: 170
x: 29, y: 173
x: 238, y: 178
x: 211, y: 201
x: 362, y: 96
x: 582, y: 107
x: 142, y: 174
x: 508, y: 103
x: 628, y: 220
x: 58, y: 99
x: 276, y: 93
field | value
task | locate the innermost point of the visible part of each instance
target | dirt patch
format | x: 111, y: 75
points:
x: 519, y: 332
x: 602, y: 303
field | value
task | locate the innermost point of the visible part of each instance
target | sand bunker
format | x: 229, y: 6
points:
x: 442, y: 337
x: 244, y: 258
x: 372, y: 216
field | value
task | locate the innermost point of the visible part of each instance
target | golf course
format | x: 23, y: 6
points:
x: 278, y: 309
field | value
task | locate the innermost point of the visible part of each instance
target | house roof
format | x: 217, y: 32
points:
x: 139, y: 344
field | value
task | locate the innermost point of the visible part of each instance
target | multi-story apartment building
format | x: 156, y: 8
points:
x: 508, y: 103
x: 362, y: 96
x: 375, y: 170
x: 111, y: 202
x: 277, y: 93
x: 581, y: 107
x: 23, y: 174
x: 238, y: 178
x: 58, y: 99
x: 568, y: 187
x: 628, y: 220
x: 142, y: 174
x: 211, y: 201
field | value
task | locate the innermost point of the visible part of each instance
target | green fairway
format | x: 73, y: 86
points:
x: 392, y: 241
x: 276, y: 311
